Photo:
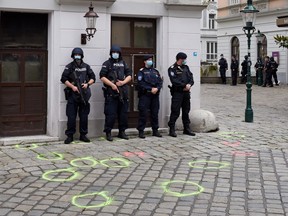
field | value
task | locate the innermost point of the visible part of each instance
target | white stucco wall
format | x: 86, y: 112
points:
x: 178, y: 29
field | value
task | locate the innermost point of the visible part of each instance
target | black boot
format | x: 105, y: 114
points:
x: 156, y: 133
x: 109, y: 136
x: 68, y: 140
x: 141, y: 135
x: 172, y: 132
x: 84, y: 138
x: 188, y: 131
x: 123, y: 135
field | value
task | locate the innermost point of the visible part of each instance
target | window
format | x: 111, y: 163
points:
x: 235, y: 47
x: 211, y: 21
x: 233, y: 2
x: 211, y: 53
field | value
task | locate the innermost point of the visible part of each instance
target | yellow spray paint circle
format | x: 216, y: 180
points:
x: 167, y: 184
x: 32, y: 146
x: 69, y: 170
x: 75, y: 161
x: 125, y: 162
x: 221, y: 164
x: 108, y: 200
x: 231, y: 134
x: 57, y: 156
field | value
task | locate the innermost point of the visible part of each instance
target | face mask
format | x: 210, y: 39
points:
x: 149, y: 63
x: 184, y: 62
x: 77, y: 57
x: 115, y: 55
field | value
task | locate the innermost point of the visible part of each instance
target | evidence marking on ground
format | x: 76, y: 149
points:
x: 244, y: 154
x: 108, y: 200
x: 69, y: 170
x: 125, y: 162
x: 131, y: 154
x: 28, y: 147
x: 231, y: 144
x: 167, y: 190
x: 92, y: 160
x: 57, y: 156
x: 231, y: 134
x: 221, y: 164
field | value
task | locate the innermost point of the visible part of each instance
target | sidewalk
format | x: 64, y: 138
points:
x: 240, y: 170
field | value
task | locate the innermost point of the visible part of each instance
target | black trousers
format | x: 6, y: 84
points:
x: 180, y: 100
x: 72, y: 108
x: 234, y: 75
x: 274, y: 75
x: 148, y: 102
x: 223, y: 75
x: 113, y: 109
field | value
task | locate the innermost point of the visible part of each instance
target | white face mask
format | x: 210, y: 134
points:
x: 149, y: 63
x: 77, y: 57
x: 115, y: 55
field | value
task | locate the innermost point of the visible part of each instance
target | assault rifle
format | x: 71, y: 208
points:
x: 79, y: 86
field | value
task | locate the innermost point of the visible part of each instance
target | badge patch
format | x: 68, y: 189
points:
x: 139, y: 78
x: 172, y: 73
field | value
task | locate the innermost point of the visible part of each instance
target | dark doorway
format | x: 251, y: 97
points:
x: 136, y: 37
x: 23, y: 73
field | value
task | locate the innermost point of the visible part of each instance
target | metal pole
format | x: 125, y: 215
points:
x: 249, y: 110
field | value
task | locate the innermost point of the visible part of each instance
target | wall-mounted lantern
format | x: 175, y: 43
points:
x: 91, y: 17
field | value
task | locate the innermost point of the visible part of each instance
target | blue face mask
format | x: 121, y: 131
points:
x: 184, y: 62
x: 115, y: 55
x: 149, y: 63
x: 77, y: 57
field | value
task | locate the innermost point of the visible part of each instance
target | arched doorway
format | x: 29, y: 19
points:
x: 235, y: 47
x: 263, y: 48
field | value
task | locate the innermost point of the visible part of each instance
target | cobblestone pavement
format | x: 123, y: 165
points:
x: 239, y: 170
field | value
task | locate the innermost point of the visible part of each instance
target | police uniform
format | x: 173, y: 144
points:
x: 180, y: 76
x: 259, y: 75
x: 274, y: 66
x: 222, y: 68
x: 74, y: 73
x: 148, y: 78
x: 267, y: 73
x: 116, y: 103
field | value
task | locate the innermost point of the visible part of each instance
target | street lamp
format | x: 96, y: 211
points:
x: 91, y: 17
x: 249, y: 17
x: 259, y: 71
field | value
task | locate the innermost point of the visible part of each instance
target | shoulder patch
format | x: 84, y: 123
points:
x: 140, y: 77
x: 141, y: 69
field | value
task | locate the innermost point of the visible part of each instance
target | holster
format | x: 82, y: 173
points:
x: 67, y: 92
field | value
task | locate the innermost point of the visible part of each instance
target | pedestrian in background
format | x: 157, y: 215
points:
x: 182, y: 80
x: 77, y: 76
x: 244, y: 70
x: 115, y: 75
x: 149, y: 85
x: 223, y: 67
x: 234, y: 70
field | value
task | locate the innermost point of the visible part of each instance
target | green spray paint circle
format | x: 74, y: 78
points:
x: 221, y: 164
x: 231, y: 134
x: 93, y: 162
x: 57, y: 156
x: 108, y: 200
x: 125, y: 162
x: 32, y: 146
x: 70, y: 170
x: 166, y: 188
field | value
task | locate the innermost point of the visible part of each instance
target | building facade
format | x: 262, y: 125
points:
x: 232, y: 40
x: 37, y: 38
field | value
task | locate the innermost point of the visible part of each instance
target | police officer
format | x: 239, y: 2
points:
x: 182, y: 80
x: 234, y: 70
x: 244, y: 70
x: 115, y: 75
x: 259, y: 68
x: 149, y: 85
x: 223, y: 66
x: 274, y: 66
x: 77, y: 76
x: 267, y: 74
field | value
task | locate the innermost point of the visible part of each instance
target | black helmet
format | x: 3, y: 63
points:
x: 181, y: 55
x: 78, y: 51
x: 271, y: 58
x: 246, y: 57
x: 115, y: 48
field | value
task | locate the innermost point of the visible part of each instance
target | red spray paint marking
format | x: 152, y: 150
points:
x: 130, y: 154
x: 240, y: 153
x: 235, y: 144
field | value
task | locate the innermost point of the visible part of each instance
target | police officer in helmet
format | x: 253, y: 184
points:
x: 77, y: 76
x: 115, y: 76
x: 149, y: 85
x: 182, y: 80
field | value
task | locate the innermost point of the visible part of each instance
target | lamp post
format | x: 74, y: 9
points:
x: 260, y: 38
x: 249, y: 17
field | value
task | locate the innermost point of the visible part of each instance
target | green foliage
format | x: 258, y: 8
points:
x: 281, y: 40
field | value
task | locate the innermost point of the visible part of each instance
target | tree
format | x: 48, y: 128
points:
x: 281, y: 40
